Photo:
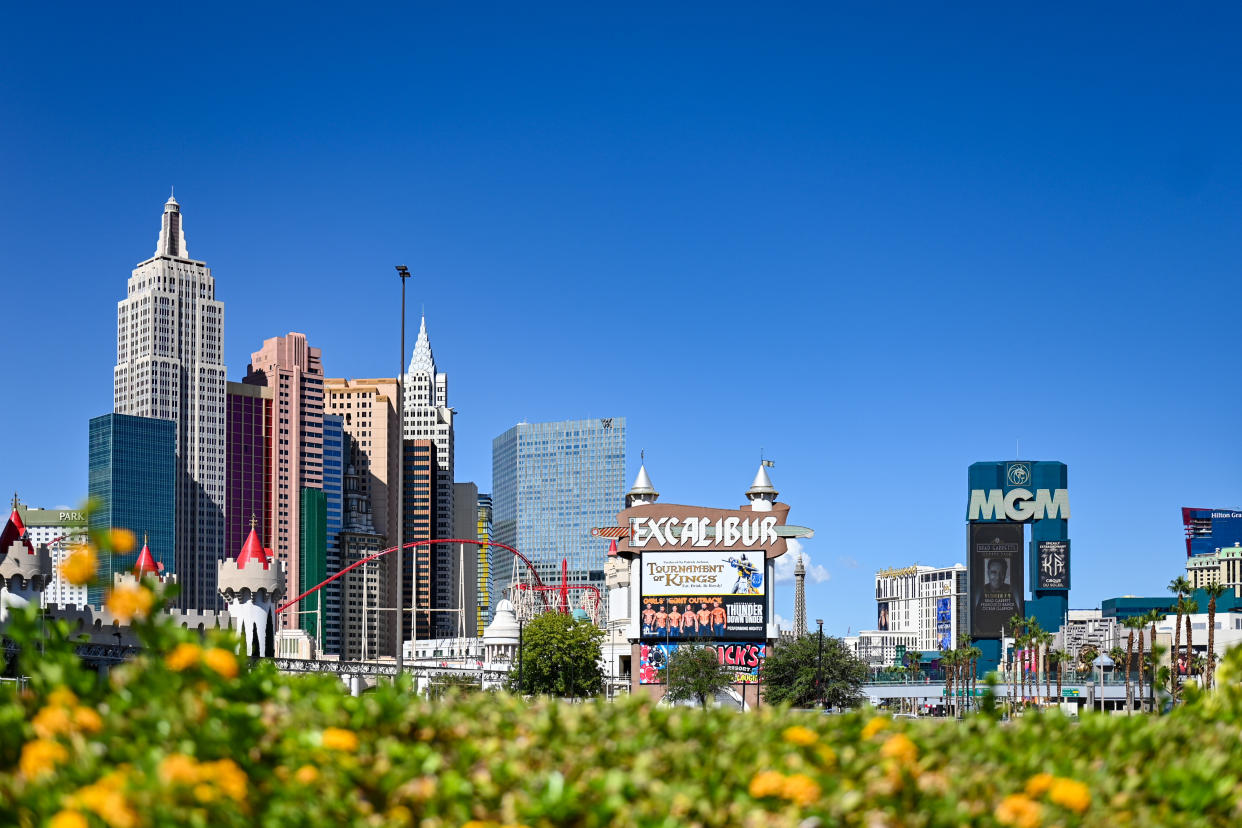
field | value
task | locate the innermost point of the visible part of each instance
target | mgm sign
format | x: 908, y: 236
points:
x: 1002, y: 499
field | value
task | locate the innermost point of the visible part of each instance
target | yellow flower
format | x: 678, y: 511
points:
x: 1020, y: 811
x: 336, y: 738
x: 827, y: 756
x: 178, y: 769
x: 51, y: 722
x: 767, y: 783
x: 121, y: 541
x: 1070, y: 793
x: 106, y: 802
x: 222, y: 661
x: 80, y: 567
x: 306, y: 775
x: 900, y: 747
x: 800, y: 789
x: 87, y: 720
x: 67, y: 819
x: 183, y: 657
x: 874, y: 726
x: 799, y: 735
x: 205, y: 793
x: 228, y: 777
x: 41, y: 757
x: 127, y: 602
x: 1038, y: 784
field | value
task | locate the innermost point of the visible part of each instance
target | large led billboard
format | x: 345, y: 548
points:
x: 703, y: 596
x: 1052, y: 559
x: 743, y: 659
x: 996, y: 583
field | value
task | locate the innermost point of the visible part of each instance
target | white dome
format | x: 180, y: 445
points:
x: 504, y: 627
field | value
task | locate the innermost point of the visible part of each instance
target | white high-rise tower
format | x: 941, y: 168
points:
x: 170, y: 365
x: 428, y: 417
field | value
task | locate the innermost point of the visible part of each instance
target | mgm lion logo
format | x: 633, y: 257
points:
x: 1018, y: 474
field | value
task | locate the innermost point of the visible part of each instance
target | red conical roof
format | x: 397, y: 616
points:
x: 612, y: 548
x: 252, y: 550
x: 146, y: 563
x: 15, y: 531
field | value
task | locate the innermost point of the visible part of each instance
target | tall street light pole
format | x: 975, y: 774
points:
x: 819, y: 665
x: 404, y: 273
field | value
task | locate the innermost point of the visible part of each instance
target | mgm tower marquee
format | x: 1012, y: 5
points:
x: 1003, y: 498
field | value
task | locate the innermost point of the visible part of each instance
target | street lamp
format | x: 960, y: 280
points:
x: 819, y: 665
x: 404, y: 273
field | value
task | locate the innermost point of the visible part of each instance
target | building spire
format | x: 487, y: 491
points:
x: 172, y: 235
x: 422, y: 361
x: 799, y: 629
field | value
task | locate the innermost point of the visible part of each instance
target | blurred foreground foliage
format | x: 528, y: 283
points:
x: 191, y: 734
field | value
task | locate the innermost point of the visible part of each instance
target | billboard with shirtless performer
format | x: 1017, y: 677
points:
x: 703, y: 596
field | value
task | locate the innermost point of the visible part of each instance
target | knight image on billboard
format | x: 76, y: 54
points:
x: 996, y: 584
x: 703, y: 596
x: 744, y: 660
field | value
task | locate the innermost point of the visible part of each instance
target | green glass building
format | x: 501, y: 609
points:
x: 132, y: 481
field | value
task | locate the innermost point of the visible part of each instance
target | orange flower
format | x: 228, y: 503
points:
x: 335, y: 738
x: 178, y: 769
x: 222, y: 661
x: 87, y: 720
x: 183, y: 657
x: 121, y: 541
x: 108, y: 803
x: 228, y: 777
x: 800, y: 789
x: 306, y: 775
x: 1020, y: 811
x: 81, y: 565
x: 1039, y: 784
x: 767, y: 783
x: 900, y: 747
x: 1070, y: 793
x: 40, y: 757
x: 127, y: 602
x: 51, y: 722
x: 799, y: 735
x: 62, y: 696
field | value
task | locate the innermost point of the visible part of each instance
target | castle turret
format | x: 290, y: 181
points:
x: 145, y: 567
x: 642, y: 493
x: 24, y: 570
x: 252, y: 586
x: 761, y: 494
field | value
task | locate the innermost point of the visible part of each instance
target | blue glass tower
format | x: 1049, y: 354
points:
x: 132, y: 480
x: 333, y: 489
x: 551, y: 484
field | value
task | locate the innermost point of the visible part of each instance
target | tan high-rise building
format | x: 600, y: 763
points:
x: 293, y: 372
x: 368, y: 408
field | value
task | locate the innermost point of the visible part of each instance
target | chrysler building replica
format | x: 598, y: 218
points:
x: 428, y: 417
x: 170, y: 365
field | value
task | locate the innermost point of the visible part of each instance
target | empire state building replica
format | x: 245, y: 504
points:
x: 169, y: 365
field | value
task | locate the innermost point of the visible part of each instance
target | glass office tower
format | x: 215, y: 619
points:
x: 333, y: 490
x: 551, y: 484
x: 132, y: 480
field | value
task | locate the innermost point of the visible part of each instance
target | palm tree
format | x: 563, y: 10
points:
x: 1179, y: 586
x: 975, y: 655
x: 1016, y: 623
x: 1130, y: 624
x: 1213, y: 591
x: 1118, y: 655
x: 946, y: 661
x: 1137, y: 624
x: 1059, y: 657
x: 1034, y: 636
x: 1189, y: 607
x: 1047, y: 638
x: 1151, y: 617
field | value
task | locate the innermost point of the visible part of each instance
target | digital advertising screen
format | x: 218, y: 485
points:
x: 744, y: 660
x: 881, y: 616
x: 996, y: 584
x: 944, y: 623
x: 703, y: 596
x: 1053, y: 558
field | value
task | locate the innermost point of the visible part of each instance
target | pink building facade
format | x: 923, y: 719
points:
x: 293, y: 371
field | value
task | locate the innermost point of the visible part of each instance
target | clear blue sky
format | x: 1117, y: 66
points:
x: 878, y: 243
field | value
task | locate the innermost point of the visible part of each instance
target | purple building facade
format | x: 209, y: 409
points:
x: 248, y: 466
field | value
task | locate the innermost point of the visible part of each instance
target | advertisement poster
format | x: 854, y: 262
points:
x: 881, y: 616
x: 996, y: 584
x: 745, y: 659
x: 703, y: 596
x: 1053, y: 570
x: 944, y: 623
